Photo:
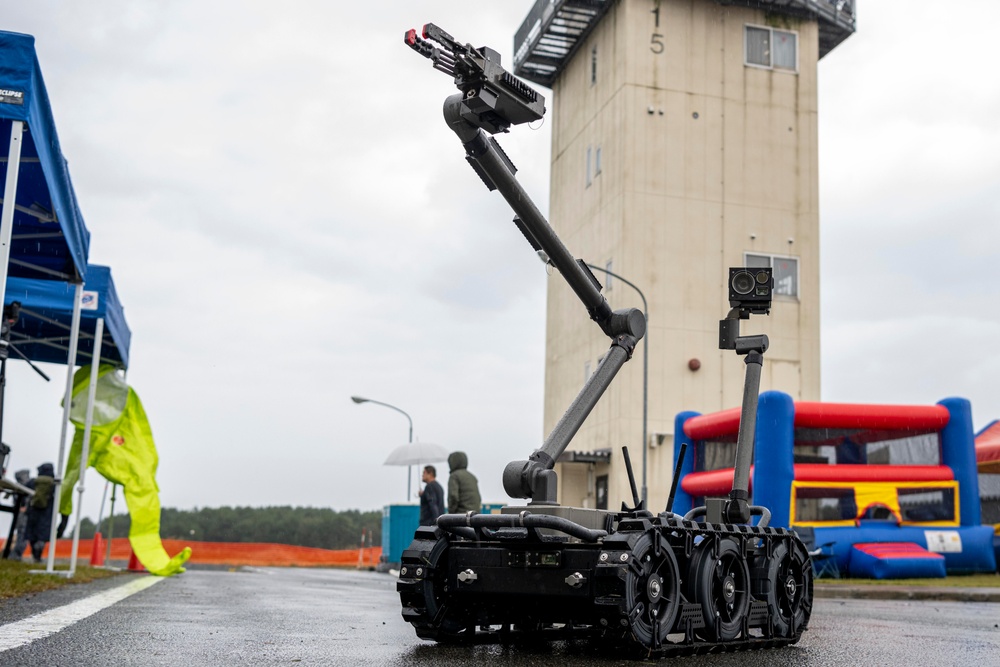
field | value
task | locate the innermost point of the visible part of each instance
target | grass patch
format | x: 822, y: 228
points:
x: 16, y: 580
x: 956, y: 581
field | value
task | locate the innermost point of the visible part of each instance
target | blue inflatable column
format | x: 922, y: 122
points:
x: 958, y: 452
x: 774, y: 458
x: 683, y: 502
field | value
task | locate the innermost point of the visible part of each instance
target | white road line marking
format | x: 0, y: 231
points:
x: 52, y: 621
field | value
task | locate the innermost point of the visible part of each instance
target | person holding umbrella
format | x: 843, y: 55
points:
x: 431, y: 498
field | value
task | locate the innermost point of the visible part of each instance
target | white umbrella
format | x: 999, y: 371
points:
x: 415, y: 453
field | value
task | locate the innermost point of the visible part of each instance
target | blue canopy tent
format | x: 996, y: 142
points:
x: 42, y: 332
x: 42, y: 233
x: 41, y: 230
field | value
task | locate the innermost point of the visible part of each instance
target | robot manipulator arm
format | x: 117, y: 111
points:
x: 493, y: 99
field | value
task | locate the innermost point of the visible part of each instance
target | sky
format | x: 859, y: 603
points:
x: 289, y: 223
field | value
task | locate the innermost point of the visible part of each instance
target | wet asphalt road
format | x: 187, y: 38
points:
x: 278, y: 616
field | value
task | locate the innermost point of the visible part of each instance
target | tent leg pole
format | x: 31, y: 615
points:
x: 95, y: 364
x: 74, y: 336
x: 9, y: 201
x: 111, y: 526
x: 104, y: 498
x: 3, y: 391
x: 111, y: 514
x: 7, y: 228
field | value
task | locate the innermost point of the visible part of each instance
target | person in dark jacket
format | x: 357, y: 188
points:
x: 431, y: 498
x: 463, y: 487
x: 22, y: 477
x: 40, y: 509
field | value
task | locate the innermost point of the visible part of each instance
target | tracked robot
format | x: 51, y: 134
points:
x: 658, y: 584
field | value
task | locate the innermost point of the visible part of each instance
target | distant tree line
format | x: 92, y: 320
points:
x: 299, y: 526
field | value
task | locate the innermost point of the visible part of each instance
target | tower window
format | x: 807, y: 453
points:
x: 593, y: 65
x: 771, y: 48
x: 589, y: 176
x: 608, y: 276
x: 601, y: 492
x: 784, y: 269
x: 785, y: 50
x: 758, y: 43
x: 597, y: 161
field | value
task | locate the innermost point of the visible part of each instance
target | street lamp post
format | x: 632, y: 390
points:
x: 645, y: 370
x: 409, y: 469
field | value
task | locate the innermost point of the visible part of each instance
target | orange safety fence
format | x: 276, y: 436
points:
x: 236, y: 553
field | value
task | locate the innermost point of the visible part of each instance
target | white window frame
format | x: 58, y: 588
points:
x: 771, y: 67
x: 590, y: 178
x: 772, y: 257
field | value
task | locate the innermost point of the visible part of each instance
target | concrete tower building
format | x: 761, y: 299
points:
x: 684, y: 141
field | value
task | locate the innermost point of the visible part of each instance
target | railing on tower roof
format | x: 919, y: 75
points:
x: 555, y: 29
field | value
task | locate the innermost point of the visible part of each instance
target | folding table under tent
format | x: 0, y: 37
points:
x: 59, y: 321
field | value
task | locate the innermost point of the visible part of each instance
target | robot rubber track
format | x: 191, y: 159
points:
x: 653, y: 585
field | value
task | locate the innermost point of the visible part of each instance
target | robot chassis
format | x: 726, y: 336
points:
x: 653, y: 584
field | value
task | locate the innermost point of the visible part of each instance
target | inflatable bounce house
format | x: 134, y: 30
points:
x: 877, y: 491
x: 988, y: 462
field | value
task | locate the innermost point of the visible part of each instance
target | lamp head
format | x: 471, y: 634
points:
x: 358, y: 399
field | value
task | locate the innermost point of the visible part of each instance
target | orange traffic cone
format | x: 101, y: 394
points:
x: 134, y: 565
x: 97, y: 551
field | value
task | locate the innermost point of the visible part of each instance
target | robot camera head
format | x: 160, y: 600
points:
x: 750, y: 289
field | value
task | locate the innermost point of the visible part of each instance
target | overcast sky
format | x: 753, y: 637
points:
x: 289, y: 222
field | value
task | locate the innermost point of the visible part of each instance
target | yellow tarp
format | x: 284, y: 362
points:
x: 123, y: 451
